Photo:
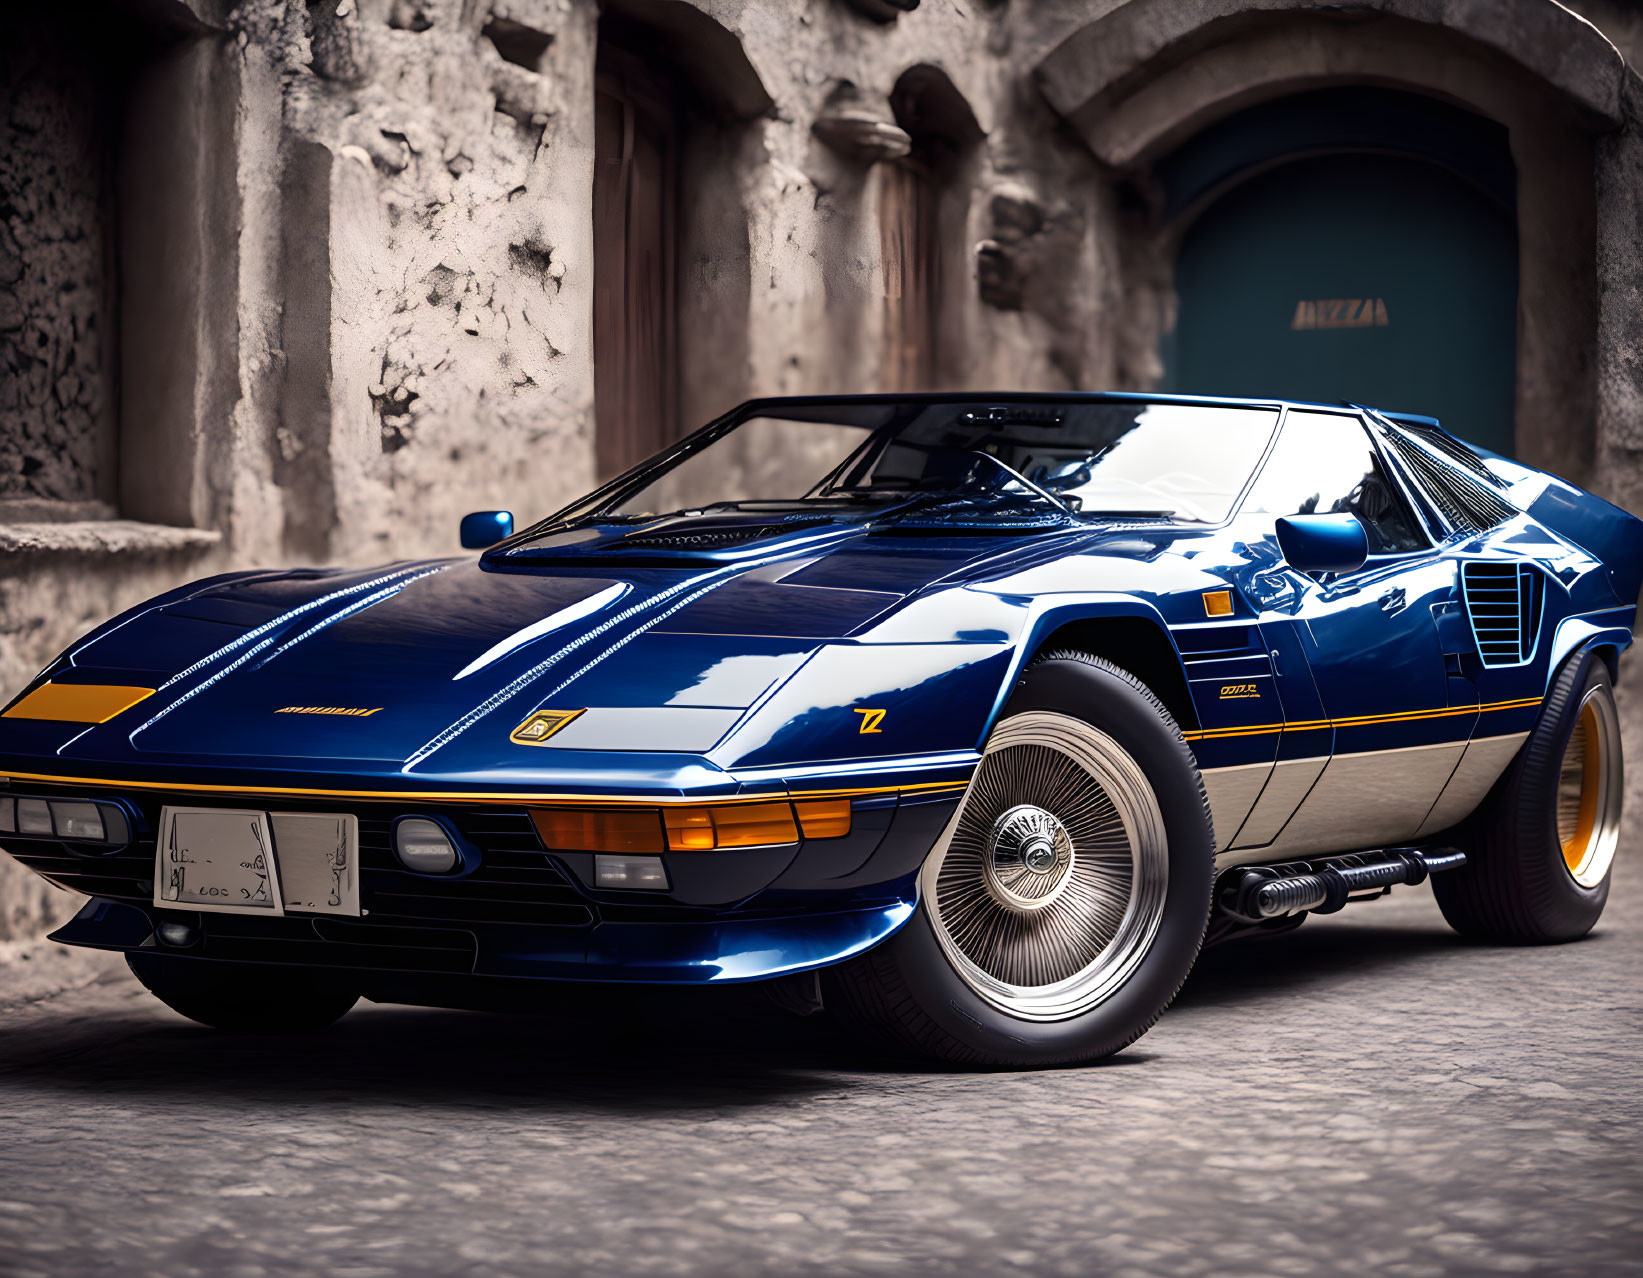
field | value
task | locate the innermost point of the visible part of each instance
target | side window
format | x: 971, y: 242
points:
x: 1324, y: 464
x: 1453, y: 478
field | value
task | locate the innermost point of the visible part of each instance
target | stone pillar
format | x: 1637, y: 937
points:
x: 1618, y: 475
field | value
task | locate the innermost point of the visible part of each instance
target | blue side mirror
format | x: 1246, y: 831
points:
x: 486, y: 528
x: 1323, y: 543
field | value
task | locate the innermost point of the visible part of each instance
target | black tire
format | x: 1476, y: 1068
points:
x: 1516, y: 887
x: 243, y: 998
x: 908, y: 991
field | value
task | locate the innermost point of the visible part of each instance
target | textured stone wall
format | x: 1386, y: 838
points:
x: 56, y: 379
x: 1620, y: 20
x: 448, y: 154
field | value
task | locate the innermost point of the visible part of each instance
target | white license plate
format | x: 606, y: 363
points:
x: 244, y: 861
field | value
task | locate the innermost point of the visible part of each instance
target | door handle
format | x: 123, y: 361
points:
x: 1394, y: 601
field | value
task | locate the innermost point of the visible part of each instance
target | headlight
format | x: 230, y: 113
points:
x: 78, y: 820
x: 33, y: 816
x: 72, y: 820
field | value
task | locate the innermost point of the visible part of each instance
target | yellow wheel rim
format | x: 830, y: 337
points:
x: 1588, y: 792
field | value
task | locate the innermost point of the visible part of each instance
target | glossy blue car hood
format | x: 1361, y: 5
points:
x: 385, y: 667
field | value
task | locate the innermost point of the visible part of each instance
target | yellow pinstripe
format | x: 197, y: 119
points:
x: 1354, y: 721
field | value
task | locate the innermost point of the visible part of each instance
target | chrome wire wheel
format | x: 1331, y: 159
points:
x: 1589, y: 791
x: 1048, y: 885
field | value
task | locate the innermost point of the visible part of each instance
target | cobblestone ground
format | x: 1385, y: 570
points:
x: 1368, y: 1095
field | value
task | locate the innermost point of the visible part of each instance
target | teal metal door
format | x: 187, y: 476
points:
x: 1371, y: 278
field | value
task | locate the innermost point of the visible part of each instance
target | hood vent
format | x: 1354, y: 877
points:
x: 1503, y: 603
x: 672, y: 542
x: 713, y: 538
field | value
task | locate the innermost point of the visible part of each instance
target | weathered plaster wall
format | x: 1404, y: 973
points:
x: 456, y: 284
x: 57, y: 581
x: 446, y: 306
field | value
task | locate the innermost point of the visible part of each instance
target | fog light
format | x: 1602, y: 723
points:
x: 424, y: 846
x: 33, y: 817
x: 179, y: 936
x: 643, y: 872
x: 77, y: 820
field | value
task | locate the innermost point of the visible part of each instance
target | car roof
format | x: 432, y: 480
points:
x: 1076, y: 397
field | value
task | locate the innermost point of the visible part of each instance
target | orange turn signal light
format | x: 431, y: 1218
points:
x: 1217, y: 603
x: 730, y: 825
x: 599, y: 829
x: 824, y: 818
x: 693, y: 829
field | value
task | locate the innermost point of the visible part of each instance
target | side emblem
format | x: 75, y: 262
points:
x: 351, y: 712
x: 541, y: 725
x: 870, y: 720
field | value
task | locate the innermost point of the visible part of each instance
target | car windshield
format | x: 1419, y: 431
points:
x: 1075, y: 458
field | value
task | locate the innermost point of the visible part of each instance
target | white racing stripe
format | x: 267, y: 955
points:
x: 268, y: 642
x: 284, y: 617
x: 692, y: 589
x: 555, y: 621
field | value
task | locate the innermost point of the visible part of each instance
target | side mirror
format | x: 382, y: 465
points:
x: 486, y: 528
x: 1323, y: 543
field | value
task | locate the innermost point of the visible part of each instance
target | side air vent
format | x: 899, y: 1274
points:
x: 1503, y: 602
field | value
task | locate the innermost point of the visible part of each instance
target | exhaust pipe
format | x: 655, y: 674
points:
x: 1260, y: 892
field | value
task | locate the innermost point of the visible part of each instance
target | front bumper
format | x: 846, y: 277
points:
x: 721, y: 951
x: 526, y: 910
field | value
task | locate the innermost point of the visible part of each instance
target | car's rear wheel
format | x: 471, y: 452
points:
x: 1540, y: 849
x: 1065, y: 903
x: 244, y: 998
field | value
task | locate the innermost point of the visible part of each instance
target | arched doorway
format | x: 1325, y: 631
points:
x: 1350, y: 245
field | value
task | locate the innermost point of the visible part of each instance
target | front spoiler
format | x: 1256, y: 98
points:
x: 712, y: 951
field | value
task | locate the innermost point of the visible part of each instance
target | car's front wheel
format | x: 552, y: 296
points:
x: 1066, y: 901
x: 243, y: 998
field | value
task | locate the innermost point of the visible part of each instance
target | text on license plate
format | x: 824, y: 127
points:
x: 246, y: 861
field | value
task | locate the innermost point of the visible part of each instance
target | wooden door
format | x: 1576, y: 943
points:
x: 635, y: 340
x: 909, y: 238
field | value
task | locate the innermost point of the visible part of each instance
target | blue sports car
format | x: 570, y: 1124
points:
x: 970, y: 718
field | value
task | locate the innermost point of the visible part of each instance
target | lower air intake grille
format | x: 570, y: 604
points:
x: 1503, y: 602
x: 516, y: 882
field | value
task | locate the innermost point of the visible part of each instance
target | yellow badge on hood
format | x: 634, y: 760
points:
x: 541, y: 725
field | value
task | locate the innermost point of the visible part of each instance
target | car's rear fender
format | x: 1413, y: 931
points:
x: 1598, y: 633
x: 1604, y: 530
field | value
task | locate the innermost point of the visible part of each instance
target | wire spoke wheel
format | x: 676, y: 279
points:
x: 1049, y: 884
x: 1588, y: 791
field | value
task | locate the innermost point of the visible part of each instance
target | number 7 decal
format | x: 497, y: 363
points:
x: 871, y: 719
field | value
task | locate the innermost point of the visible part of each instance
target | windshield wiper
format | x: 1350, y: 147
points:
x: 1031, y: 487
